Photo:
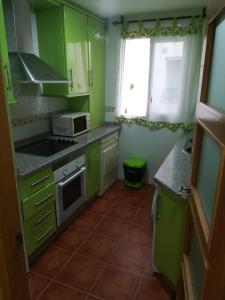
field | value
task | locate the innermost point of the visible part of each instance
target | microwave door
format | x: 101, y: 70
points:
x: 79, y: 124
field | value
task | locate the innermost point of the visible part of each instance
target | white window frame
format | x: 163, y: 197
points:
x: 152, y: 42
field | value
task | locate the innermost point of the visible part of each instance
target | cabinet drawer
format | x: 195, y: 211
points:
x: 38, y: 201
x: 39, y: 228
x: 33, y: 183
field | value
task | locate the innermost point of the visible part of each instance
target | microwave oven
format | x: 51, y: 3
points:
x: 70, y: 124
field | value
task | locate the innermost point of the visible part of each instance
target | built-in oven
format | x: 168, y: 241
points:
x: 70, y: 183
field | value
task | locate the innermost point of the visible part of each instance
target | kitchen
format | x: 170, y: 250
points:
x: 111, y: 197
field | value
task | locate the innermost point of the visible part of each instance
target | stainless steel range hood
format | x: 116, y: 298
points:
x: 29, y: 68
x: 25, y: 66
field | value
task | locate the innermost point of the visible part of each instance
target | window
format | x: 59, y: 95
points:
x: 159, y: 78
x: 166, y: 77
x: 134, y: 91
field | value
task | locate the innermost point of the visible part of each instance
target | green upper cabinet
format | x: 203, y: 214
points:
x: 96, y: 38
x: 5, y: 69
x: 63, y: 44
x: 76, y: 43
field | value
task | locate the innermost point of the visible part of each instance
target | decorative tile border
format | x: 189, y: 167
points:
x: 110, y: 109
x: 33, y: 119
x: 153, y: 125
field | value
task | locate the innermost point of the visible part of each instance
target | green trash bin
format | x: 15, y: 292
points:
x: 134, y: 172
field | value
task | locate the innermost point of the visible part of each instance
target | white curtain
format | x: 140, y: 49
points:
x: 174, y: 78
x: 134, y: 77
x: 159, y: 78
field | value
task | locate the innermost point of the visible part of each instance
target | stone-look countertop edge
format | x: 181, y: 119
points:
x: 26, y: 164
x: 176, y: 168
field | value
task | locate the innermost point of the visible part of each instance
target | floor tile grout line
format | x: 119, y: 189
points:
x: 74, y: 288
x: 75, y: 252
x: 108, y: 263
x: 106, y: 236
x: 67, y: 261
x: 138, y: 287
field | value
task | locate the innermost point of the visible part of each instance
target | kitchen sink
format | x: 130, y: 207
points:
x: 188, y: 146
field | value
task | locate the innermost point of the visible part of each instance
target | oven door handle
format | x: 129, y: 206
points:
x: 63, y: 183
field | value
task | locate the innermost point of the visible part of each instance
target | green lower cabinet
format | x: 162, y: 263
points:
x: 93, y: 169
x: 169, y: 234
x: 35, y: 203
x: 39, y: 228
x: 33, y: 183
x: 38, y: 199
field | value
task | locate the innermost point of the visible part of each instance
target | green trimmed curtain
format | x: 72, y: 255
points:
x: 175, y: 48
x: 175, y: 28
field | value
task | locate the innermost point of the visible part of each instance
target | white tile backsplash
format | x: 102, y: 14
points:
x: 30, y: 105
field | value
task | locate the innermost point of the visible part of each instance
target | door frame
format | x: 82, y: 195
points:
x: 13, y: 277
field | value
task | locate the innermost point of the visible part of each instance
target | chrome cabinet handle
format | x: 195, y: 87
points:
x: 91, y: 78
x: 43, y: 200
x: 71, y: 78
x: 40, y: 181
x: 186, y: 189
x: 9, y: 81
x: 44, y: 235
x: 43, y: 217
x: 157, y: 213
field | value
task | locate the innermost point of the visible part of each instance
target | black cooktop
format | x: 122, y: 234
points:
x: 46, y: 147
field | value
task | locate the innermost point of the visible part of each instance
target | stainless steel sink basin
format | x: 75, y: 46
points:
x: 188, y: 146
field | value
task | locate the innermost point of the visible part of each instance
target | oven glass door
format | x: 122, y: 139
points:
x: 80, y: 124
x: 71, y: 194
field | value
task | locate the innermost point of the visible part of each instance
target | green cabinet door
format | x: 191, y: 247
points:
x: 96, y: 38
x: 169, y: 232
x: 5, y: 69
x: 93, y: 169
x: 76, y: 45
x: 63, y: 44
x: 51, y: 42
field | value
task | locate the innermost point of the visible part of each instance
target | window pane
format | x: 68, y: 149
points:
x: 166, y: 78
x: 135, y: 81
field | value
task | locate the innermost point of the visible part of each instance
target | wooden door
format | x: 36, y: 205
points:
x: 207, y: 205
x: 13, y: 281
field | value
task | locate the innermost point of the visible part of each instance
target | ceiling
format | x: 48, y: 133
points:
x: 112, y: 8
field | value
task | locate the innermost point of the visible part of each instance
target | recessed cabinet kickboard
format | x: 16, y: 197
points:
x: 38, y: 195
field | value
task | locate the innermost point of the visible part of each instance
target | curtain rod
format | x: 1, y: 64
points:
x: 161, y: 19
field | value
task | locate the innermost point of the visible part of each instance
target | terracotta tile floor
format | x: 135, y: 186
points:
x: 104, y: 254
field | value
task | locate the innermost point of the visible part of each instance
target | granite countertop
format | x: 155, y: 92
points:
x: 176, y: 168
x: 27, y: 163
